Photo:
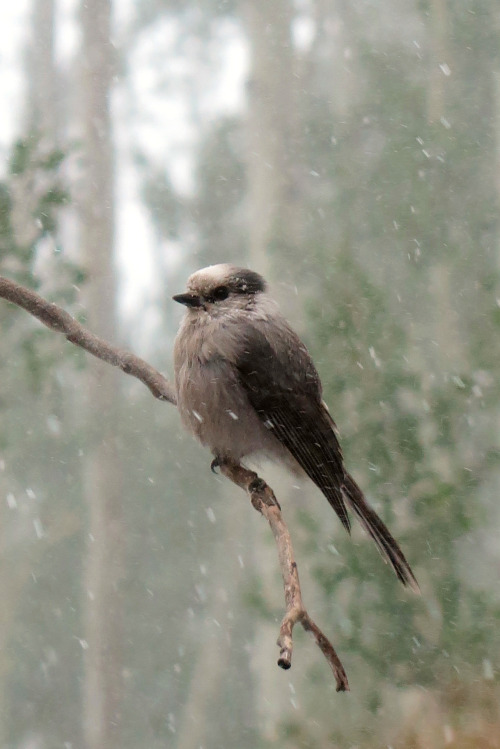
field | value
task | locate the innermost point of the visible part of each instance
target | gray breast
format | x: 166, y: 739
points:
x: 214, y: 406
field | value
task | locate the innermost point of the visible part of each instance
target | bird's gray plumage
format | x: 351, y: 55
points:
x: 246, y: 384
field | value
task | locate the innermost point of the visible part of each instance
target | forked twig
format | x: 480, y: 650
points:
x: 261, y: 495
x: 264, y: 501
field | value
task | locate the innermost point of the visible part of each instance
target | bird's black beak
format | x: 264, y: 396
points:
x: 190, y: 300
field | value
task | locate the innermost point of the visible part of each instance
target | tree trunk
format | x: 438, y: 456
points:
x: 496, y: 89
x: 275, y: 230
x: 217, y: 646
x: 272, y: 167
x: 103, y: 675
x: 42, y: 76
x: 438, y: 64
x: 17, y: 565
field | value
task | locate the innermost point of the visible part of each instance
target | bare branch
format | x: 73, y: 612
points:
x: 261, y: 495
x: 57, y: 319
x: 263, y: 499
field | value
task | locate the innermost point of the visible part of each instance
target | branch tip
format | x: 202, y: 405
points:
x: 285, y: 661
x: 264, y: 500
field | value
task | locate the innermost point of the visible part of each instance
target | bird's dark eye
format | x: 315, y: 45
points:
x: 218, y: 294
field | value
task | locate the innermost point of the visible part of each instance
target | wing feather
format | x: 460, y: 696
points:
x: 283, y: 387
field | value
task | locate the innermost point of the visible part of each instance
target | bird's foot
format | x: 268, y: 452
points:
x: 265, y: 494
x: 257, y: 485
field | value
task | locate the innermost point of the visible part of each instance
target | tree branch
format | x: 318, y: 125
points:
x: 264, y: 501
x: 261, y: 495
x: 57, y: 319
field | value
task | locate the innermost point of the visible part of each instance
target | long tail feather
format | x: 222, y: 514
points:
x: 374, y: 526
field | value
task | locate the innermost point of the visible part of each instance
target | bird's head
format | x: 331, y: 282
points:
x: 220, y: 289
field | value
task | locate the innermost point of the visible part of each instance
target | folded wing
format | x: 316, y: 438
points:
x: 283, y: 387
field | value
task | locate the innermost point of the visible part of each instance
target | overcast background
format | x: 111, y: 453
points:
x: 349, y: 152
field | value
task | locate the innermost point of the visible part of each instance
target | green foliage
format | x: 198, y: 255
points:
x: 34, y: 182
x: 31, y: 197
x: 397, y: 258
x: 407, y: 362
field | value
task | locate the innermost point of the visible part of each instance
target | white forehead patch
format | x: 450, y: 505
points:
x: 209, y: 275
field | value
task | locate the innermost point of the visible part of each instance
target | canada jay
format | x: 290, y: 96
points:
x: 246, y: 384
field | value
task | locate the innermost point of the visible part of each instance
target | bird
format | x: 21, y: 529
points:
x: 247, y: 387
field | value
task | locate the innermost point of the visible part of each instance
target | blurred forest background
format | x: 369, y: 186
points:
x: 350, y: 152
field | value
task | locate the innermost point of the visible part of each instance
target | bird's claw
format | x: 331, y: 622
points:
x: 216, y: 463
